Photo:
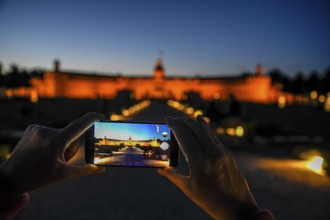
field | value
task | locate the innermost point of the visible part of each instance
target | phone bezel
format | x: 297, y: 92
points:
x: 89, y: 145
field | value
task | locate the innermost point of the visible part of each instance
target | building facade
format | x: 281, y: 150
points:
x: 252, y: 88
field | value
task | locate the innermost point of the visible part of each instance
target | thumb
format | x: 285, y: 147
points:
x: 84, y: 170
x: 176, y: 178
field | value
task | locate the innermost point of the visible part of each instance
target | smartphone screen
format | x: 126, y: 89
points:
x: 137, y: 144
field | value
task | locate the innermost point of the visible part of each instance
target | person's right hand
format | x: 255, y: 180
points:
x: 215, y: 183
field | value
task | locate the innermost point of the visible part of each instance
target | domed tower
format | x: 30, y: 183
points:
x: 159, y: 69
x: 259, y: 70
x: 56, y: 65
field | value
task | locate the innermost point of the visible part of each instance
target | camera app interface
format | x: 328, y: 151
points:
x: 131, y: 144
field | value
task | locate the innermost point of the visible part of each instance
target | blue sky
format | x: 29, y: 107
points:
x: 205, y: 37
x: 137, y: 131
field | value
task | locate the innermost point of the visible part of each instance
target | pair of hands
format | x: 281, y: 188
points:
x: 43, y: 156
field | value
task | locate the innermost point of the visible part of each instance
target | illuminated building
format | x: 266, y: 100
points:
x: 252, y: 88
x: 128, y: 143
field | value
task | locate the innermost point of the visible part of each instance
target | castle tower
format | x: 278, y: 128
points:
x: 159, y: 70
x: 56, y: 65
x: 259, y: 70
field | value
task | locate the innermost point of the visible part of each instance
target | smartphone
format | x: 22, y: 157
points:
x: 132, y: 144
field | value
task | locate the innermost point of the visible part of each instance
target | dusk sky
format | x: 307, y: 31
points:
x: 135, y: 131
x: 205, y: 37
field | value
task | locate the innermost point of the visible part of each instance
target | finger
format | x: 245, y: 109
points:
x: 27, y: 135
x: 202, y: 135
x: 76, y: 128
x: 215, y: 143
x: 83, y: 170
x: 176, y: 178
x: 185, y: 138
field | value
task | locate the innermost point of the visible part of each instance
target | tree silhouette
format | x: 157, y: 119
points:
x: 2, y: 78
x: 313, y: 82
x: 16, y: 78
x: 279, y: 77
x: 325, y: 83
x: 297, y: 86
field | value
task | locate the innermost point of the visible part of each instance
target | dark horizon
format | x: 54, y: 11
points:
x: 16, y: 67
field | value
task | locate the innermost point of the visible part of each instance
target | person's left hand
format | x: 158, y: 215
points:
x: 42, y: 155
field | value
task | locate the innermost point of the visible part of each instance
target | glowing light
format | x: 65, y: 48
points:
x: 220, y: 130
x: 130, y: 111
x: 189, y: 110
x: 34, y: 96
x: 298, y: 98
x: 207, y: 119
x: 216, y: 96
x: 198, y: 112
x: 305, y: 99
x: 175, y: 104
x: 181, y: 107
x: 315, y: 164
x: 9, y: 93
x: 115, y: 117
x: 125, y: 112
x: 146, y: 103
x: 231, y: 131
x: 281, y: 102
x: 5, y: 152
x: 239, y: 131
x: 327, y: 104
x: 313, y: 94
x: 321, y: 98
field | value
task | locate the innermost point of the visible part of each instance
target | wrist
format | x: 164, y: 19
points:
x: 11, y: 201
x: 243, y: 213
x: 233, y: 210
x: 261, y: 215
x: 5, y: 181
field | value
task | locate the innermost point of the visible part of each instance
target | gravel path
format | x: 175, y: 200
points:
x: 286, y: 187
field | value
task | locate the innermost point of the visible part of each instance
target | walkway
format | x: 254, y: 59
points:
x: 279, y: 184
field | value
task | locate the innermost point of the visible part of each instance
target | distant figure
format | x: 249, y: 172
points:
x: 212, y: 113
x: 235, y: 108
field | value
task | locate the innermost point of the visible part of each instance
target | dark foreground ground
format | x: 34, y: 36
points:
x: 279, y: 183
x: 290, y: 191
